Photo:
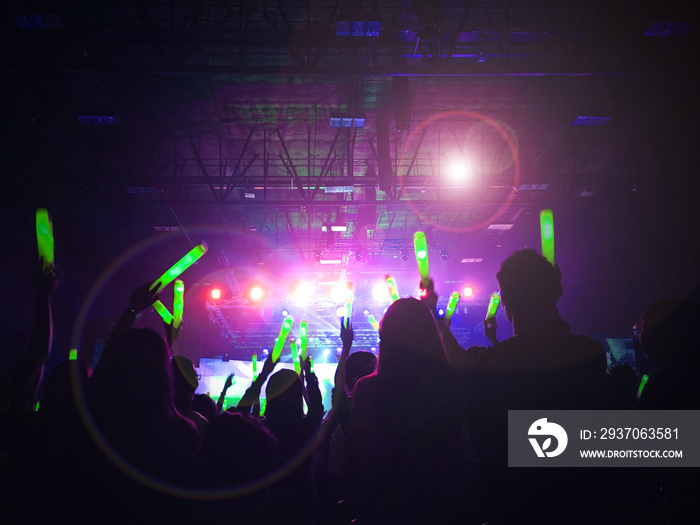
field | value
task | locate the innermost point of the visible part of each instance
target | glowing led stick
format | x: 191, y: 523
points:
x: 284, y: 332
x: 642, y: 384
x: 373, y: 322
x: 44, y: 236
x: 163, y: 312
x: 421, y: 247
x: 393, y: 289
x: 493, y: 305
x: 547, y: 233
x: 303, y: 338
x: 311, y: 364
x: 178, y: 306
x: 73, y: 354
x: 451, y: 305
x: 254, y: 362
x: 180, y: 266
x: 348, y: 303
x: 295, y: 355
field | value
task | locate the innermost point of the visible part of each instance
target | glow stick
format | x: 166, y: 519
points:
x: 303, y: 338
x: 348, y: 303
x: 642, y: 384
x: 393, y: 289
x: 311, y: 365
x: 284, y: 332
x: 44, y: 236
x: 493, y: 305
x: 547, y: 233
x: 373, y: 322
x: 421, y: 247
x: 73, y: 354
x: 295, y: 355
x: 180, y: 266
x: 178, y: 303
x: 163, y: 312
x: 451, y: 305
x: 254, y: 362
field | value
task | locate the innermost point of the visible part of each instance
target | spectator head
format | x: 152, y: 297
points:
x: 205, y: 406
x: 409, y: 339
x: 185, y: 381
x: 284, y: 393
x: 530, y: 287
x: 358, y: 365
x: 668, y: 333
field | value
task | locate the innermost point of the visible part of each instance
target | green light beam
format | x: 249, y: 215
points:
x: 493, y: 305
x: 180, y: 266
x: 451, y: 305
x: 421, y: 247
x: 547, y: 234
x: 178, y: 303
x: 164, y: 313
x: 44, y: 236
x: 284, y: 332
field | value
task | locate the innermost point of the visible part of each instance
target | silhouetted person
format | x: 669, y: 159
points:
x: 205, y: 405
x: 403, y: 433
x: 185, y: 383
x: 669, y: 332
x: 542, y: 366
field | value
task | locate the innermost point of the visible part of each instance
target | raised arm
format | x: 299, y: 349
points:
x: 251, y: 398
x: 315, y: 400
x: 347, y: 335
x: 222, y: 396
x: 140, y: 299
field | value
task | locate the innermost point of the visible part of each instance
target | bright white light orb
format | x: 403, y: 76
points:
x: 380, y: 292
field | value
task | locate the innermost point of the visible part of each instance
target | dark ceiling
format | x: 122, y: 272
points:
x: 146, y: 127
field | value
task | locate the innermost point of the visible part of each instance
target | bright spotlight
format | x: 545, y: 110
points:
x: 215, y: 293
x: 340, y: 312
x: 365, y: 312
x: 441, y: 312
x: 285, y: 313
x: 303, y: 293
x: 256, y: 293
x: 340, y: 292
x: 468, y: 291
x: 459, y: 170
x: 380, y: 292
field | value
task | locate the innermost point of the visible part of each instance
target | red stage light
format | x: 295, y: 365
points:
x: 256, y: 293
x: 215, y: 293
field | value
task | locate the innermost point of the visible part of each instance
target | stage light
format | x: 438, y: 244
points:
x: 340, y: 311
x: 365, y: 312
x: 339, y: 292
x: 317, y: 256
x: 380, y: 292
x: 468, y: 291
x: 404, y: 256
x: 441, y: 312
x: 459, y: 171
x: 374, y: 349
x: 303, y: 293
x: 256, y: 293
x: 215, y: 293
x: 285, y: 313
x: 444, y: 256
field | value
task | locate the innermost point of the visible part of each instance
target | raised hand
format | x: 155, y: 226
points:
x: 142, y: 297
x: 490, y: 326
x: 429, y: 297
x: 347, y: 334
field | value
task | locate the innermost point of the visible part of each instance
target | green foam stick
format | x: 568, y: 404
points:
x: 180, y: 266
x: 642, y: 384
x: 295, y: 355
x: 451, y: 305
x: 254, y: 362
x: 73, y: 354
x: 393, y: 289
x: 348, y: 303
x: 178, y: 303
x: 421, y: 247
x: 493, y: 305
x: 163, y: 312
x: 303, y: 338
x: 44, y: 236
x: 547, y: 233
x: 373, y: 322
x: 284, y: 332
x: 311, y: 364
